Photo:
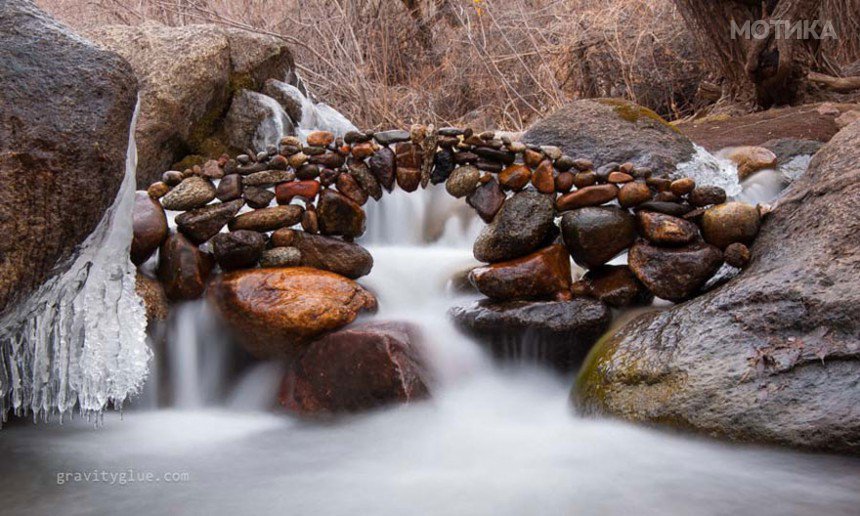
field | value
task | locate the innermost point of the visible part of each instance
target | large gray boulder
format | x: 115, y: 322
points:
x: 188, y: 76
x: 65, y: 113
x: 771, y: 356
x: 613, y: 130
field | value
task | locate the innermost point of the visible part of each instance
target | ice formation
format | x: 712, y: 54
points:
x: 80, y: 340
x: 707, y: 169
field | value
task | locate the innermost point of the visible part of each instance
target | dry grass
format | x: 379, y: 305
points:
x: 498, y: 63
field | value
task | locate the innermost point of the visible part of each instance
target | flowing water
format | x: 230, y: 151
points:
x: 206, y: 437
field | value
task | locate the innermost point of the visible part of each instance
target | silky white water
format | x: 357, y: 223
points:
x: 493, y: 440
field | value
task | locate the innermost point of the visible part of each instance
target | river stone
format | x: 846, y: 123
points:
x: 544, y: 274
x: 443, y: 165
x: 515, y: 177
x: 393, y: 136
x: 203, y: 223
x: 281, y: 257
x: 65, y: 113
x: 274, y: 312
x: 617, y: 286
x: 268, y: 219
x: 193, y: 192
x: 633, y: 194
x: 463, y: 181
x: 331, y: 254
x: 676, y: 273
x: 238, y: 249
x: 595, y: 235
x: 707, y: 195
x: 338, y: 215
x: 229, y: 188
x: 348, y: 186
x: 367, y: 181
x: 257, y: 197
x: 612, y: 130
x: 151, y: 292
x: 357, y: 369
x: 268, y: 178
x: 149, y: 226
x: 183, y: 268
x: 487, y: 199
x: 662, y: 229
x: 187, y: 77
x: 520, y: 227
x: 382, y: 166
x: 557, y: 332
x: 307, y: 190
x: 750, y: 159
x: 587, y: 196
x: 771, y: 356
x: 729, y: 223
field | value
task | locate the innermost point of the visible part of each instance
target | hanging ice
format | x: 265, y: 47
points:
x: 80, y: 339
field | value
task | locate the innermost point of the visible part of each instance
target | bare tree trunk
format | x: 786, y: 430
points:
x: 769, y: 70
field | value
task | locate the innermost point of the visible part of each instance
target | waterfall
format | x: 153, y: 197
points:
x: 80, y: 339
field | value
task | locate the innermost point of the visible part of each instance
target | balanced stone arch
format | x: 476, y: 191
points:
x: 296, y: 209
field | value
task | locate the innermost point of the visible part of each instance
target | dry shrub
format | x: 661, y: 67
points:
x: 488, y: 63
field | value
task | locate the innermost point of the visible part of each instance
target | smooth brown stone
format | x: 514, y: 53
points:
x: 257, y: 197
x: 149, y: 227
x: 328, y: 160
x: 583, y: 179
x: 729, y: 223
x: 274, y: 312
x: 616, y: 285
x: 669, y: 208
x: 183, y: 269
x: 737, y: 255
x: 339, y: 215
x: 661, y: 184
x: 544, y: 274
x: 663, y: 229
x: 158, y: 190
x: 229, y: 188
x: 463, y: 181
x: 307, y: 190
x: 365, y: 179
x: 620, y: 177
x: 633, y: 194
x: 191, y: 193
x: 407, y: 155
x: 564, y: 182
x: 588, y: 196
x: 268, y: 219
x: 542, y: 178
x: 203, y: 223
x: 408, y: 179
x: 515, y: 177
x: 532, y: 158
x: 310, y: 221
x: 594, y: 235
x: 268, y: 178
x: 667, y: 196
x: 674, y: 273
x: 360, y: 368
x: 348, y: 186
x: 683, y: 186
x: 362, y: 150
x: 320, y: 139
x: 706, y: 195
x: 382, y: 166
x: 487, y: 200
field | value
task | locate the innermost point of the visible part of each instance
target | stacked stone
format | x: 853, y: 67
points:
x: 677, y: 233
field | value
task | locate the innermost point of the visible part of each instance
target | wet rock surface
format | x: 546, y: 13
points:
x: 595, y: 235
x: 518, y: 228
x: 556, y: 332
x: 149, y: 227
x: 771, y: 356
x: 183, y: 268
x: 65, y: 112
x: 357, y: 369
x: 544, y: 274
x: 276, y: 311
x: 674, y: 273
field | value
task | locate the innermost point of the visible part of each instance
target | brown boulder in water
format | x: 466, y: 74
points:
x: 357, y: 369
x: 674, y: 273
x: 544, y: 274
x: 183, y: 268
x: 65, y: 113
x: 276, y: 311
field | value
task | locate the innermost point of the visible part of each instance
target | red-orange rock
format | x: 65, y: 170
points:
x: 275, y: 311
x: 355, y: 369
x: 633, y: 194
x: 544, y: 274
x: 362, y: 150
x: 320, y: 139
x: 588, y: 196
x: 542, y: 178
x: 307, y: 190
x: 515, y: 177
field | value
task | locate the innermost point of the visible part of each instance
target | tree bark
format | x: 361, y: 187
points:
x: 769, y: 70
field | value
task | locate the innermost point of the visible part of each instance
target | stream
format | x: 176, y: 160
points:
x: 495, y: 438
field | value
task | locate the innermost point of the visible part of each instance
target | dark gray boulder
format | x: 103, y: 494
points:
x: 774, y: 354
x: 65, y: 114
x: 613, y: 130
x: 520, y: 227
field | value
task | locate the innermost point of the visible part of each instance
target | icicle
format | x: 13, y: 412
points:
x: 80, y: 340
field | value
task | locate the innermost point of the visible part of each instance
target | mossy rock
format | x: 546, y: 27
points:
x: 613, y: 130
